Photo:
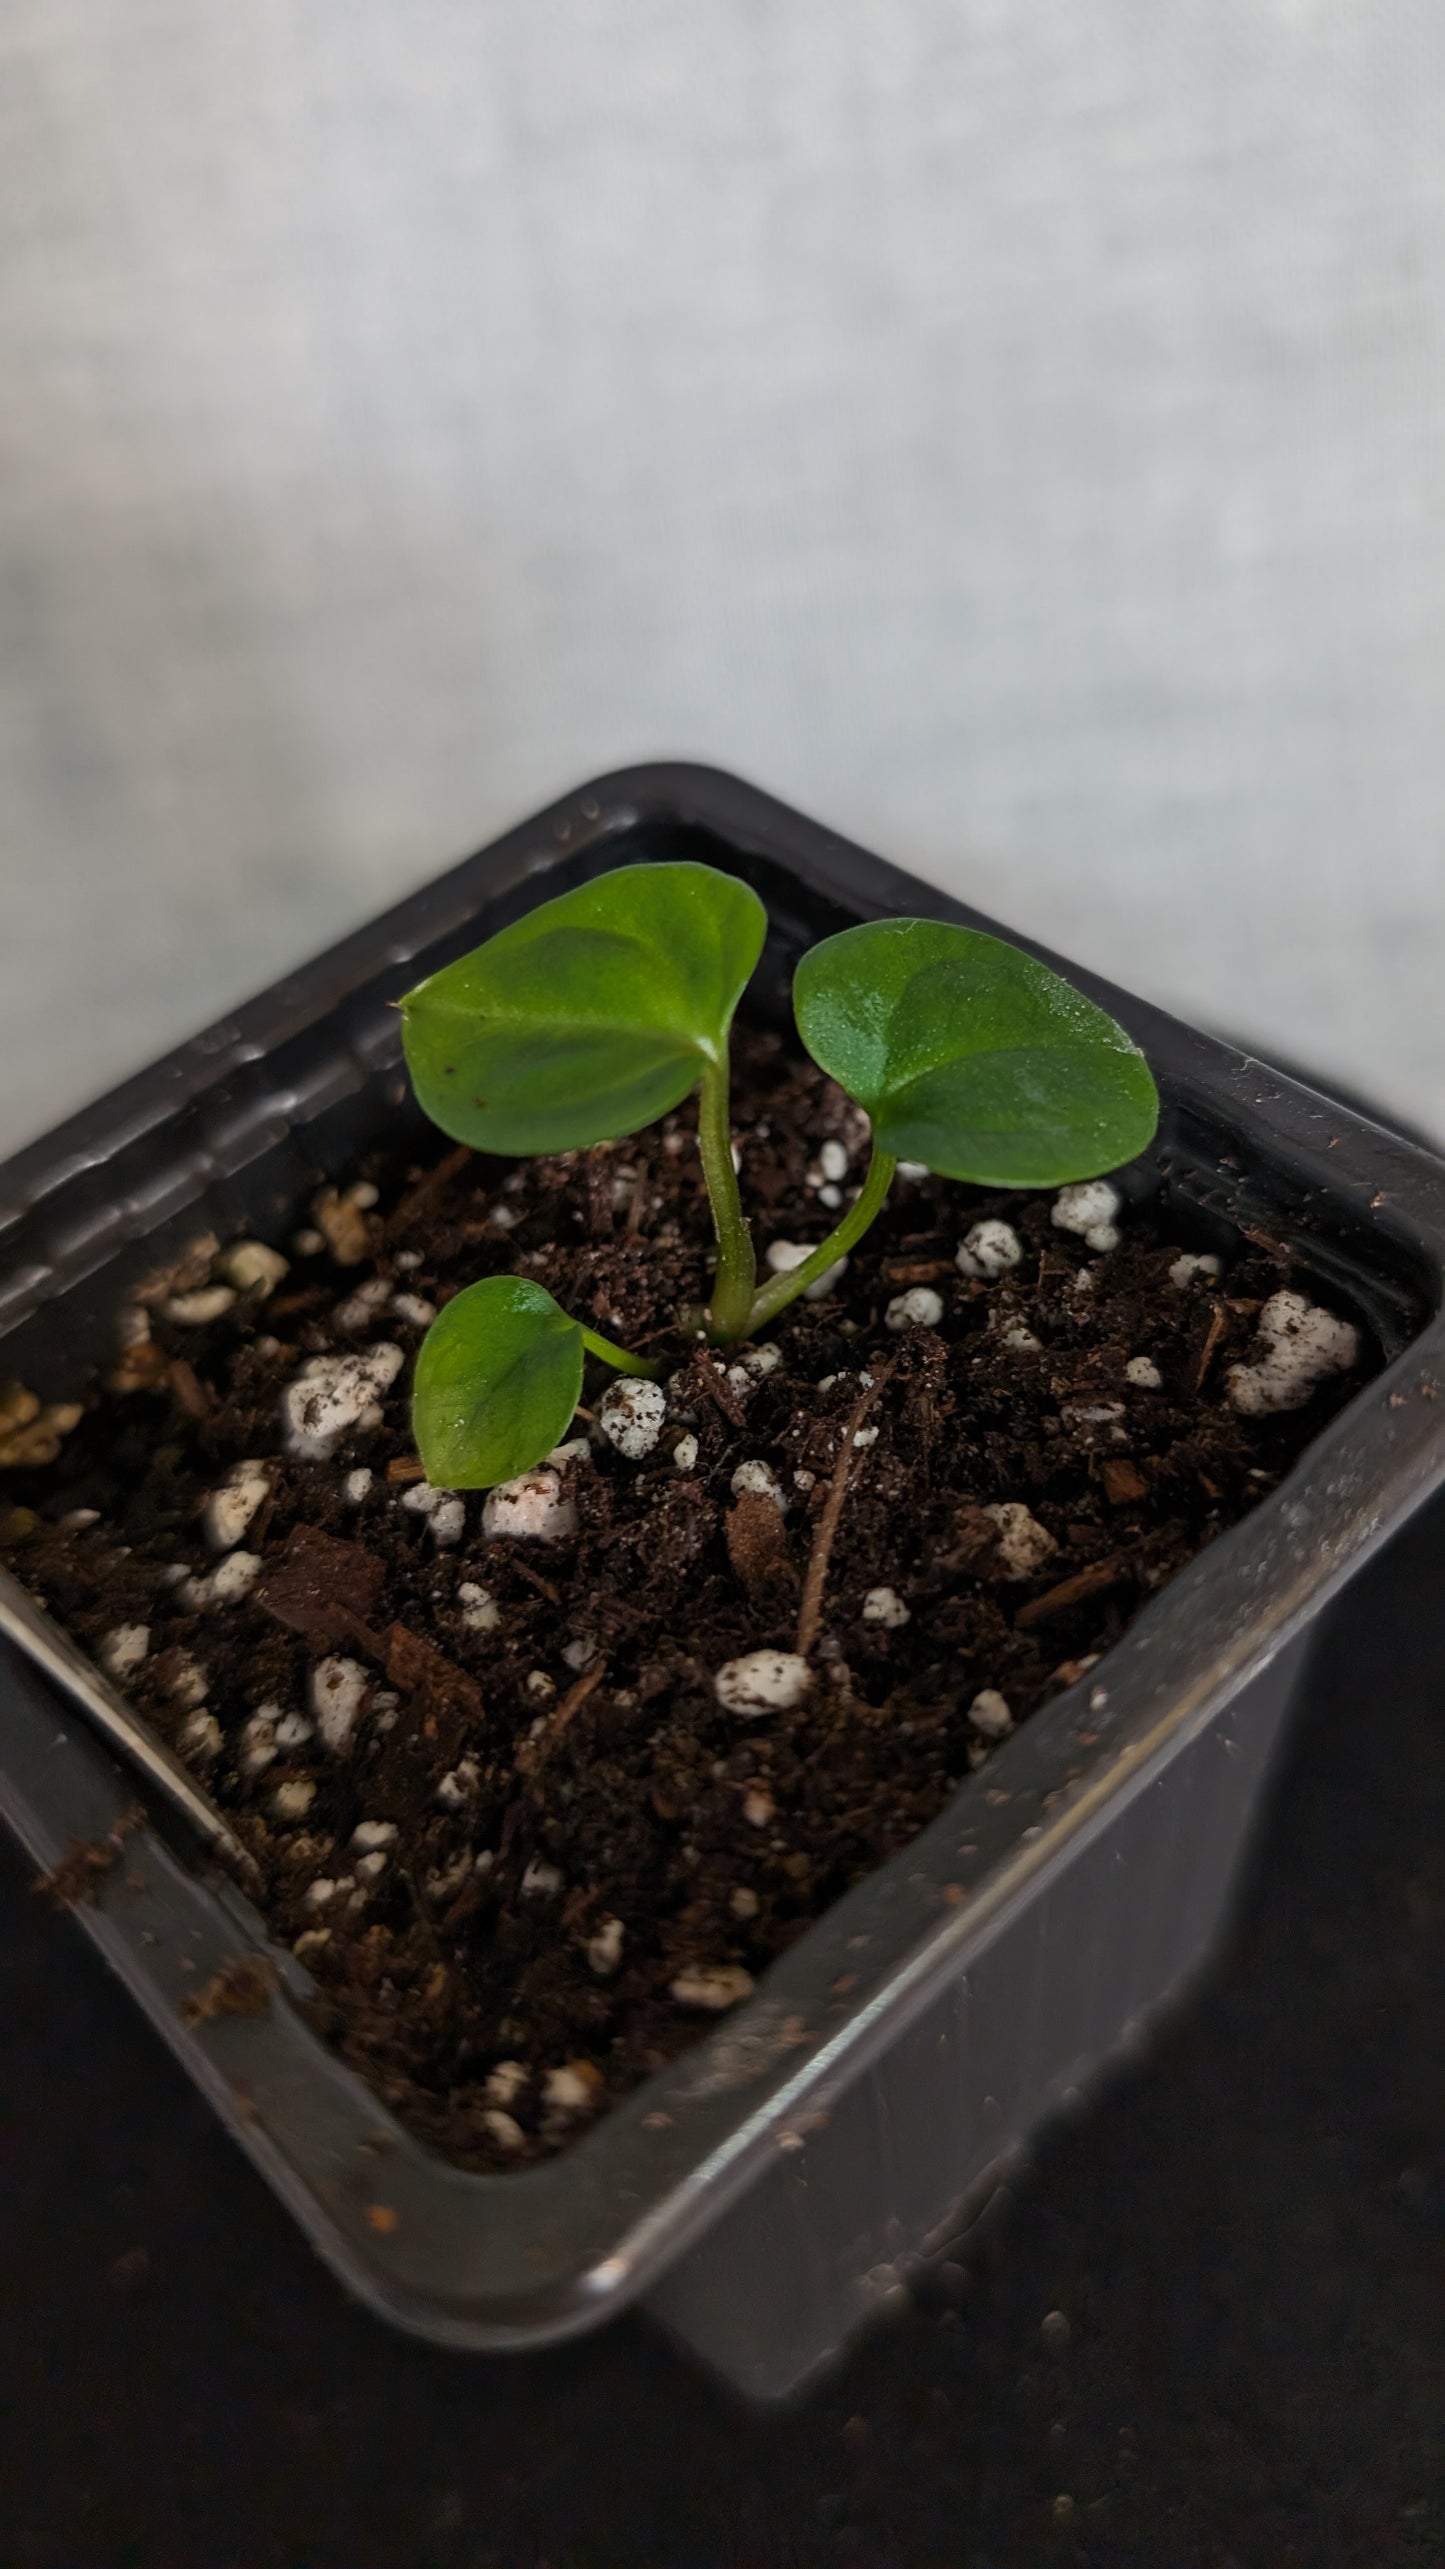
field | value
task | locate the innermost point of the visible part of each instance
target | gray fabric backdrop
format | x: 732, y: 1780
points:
x: 1014, y: 430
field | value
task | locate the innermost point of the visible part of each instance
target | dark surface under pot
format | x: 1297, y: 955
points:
x: 1204, y: 2330
x: 1088, y: 1900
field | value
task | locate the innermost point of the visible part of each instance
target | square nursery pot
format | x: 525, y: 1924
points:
x: 768, y: 2191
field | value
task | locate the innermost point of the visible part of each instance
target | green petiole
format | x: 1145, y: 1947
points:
x: 735, y: 1275
x: 618, y: 1357
x: 781, y: 1290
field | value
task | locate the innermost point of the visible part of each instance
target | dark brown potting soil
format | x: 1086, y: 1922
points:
x: 561, y: 1827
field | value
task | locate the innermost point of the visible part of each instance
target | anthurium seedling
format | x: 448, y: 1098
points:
x: 602, y: 1010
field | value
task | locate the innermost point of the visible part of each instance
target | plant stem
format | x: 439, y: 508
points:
x: 618, y: 1357
x: 781, y: 1290
x: 735, y: 1275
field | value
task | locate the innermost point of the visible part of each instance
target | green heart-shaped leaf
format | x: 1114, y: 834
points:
x: 497, y: 1380
x: 590, y: 1017
x: 971, y: 1057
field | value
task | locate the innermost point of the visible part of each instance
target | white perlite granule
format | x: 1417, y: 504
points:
x: 1091, y: 1210
x: 761, y: 1481
x: 541, y: 1881
x: 414, y: 1309
x: 479, y: 1609
x: 338, y: 1691
x: 885, y: 1606
x: 1023, y: 1544
x: 763, y: 1681
x: 989, y: 1714
x: 604, y: 1947
x: 258, y: 1741
x: 714, y: 1986
x: 445, y: 1513
x: 333, y: 1394
x: 359, y: 1309
x: 1192, y: 1264
x: 201, y: 1737
x: 198, y: 1310
x: 122, y: 1651
x: 457, y: 1787
x: 339, y: 1219
x: 505, y: 2082
x: 568, y: 2091
x: 919, y: 1308
x: 533, y: 1508
x: 188, y: 1682
x: 226, y: 1585
x: 784, y: 1255
x: 229, y: 1509
x: 254, y: 1268
x: 990, y: 1249
x: 760, y: 1360
x: 230, y: 1581
x: 632, y: 1416
x: 1301, y: 1345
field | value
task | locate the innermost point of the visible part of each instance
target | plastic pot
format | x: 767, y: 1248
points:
x: 767, y: 2192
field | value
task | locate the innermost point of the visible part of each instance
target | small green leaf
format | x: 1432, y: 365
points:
x: 497, y: 1380
x: 971, y: 1057
x: 590, y: 1017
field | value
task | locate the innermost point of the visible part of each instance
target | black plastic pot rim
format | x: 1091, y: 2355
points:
x: 488, y: 2261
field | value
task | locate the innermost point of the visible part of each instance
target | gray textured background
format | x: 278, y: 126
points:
x: 1014, y: 431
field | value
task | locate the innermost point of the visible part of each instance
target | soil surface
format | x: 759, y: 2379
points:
x: 499, y: 1809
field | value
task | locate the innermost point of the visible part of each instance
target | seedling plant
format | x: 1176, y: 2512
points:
x: 602, y: 1010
